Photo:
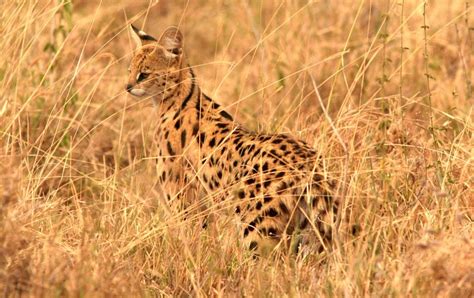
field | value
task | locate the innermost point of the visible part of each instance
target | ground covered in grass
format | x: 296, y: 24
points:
x: 383, y: 89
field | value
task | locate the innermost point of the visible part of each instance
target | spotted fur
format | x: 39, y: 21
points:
x: 275, y: 183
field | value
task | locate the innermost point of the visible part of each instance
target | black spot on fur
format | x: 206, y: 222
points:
x: 256, y: 167
x: 267, y: 199
x: 251, y: 227
x: 304, y: 224
x: 283, y: 186
x: 239, y: 145
x: 163, y: 176
x: 250, y: 149
x: 170, y: 149
x: 317, y: 178
x: 259, y: 205
x: 212, y: 142
x: 327, y: 198
x: 202, y: 137
x: 199, y: 107
x: 256, y: 221
x: 177, y: 125
x: 253, y: 245
x: 183, y: 138
x: 241, y: 194
x: 195, y: 129
x: 212, y: 161
x: 283, y: 208
x: 190, y: 94
x: 250, y: 181
x: 219, y: 141
x: 257, y: 152
x: 226, y: 115
x: 270, y: 212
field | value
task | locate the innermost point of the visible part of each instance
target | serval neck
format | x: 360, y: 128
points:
x: 184, y: 89
x: 188, y: 95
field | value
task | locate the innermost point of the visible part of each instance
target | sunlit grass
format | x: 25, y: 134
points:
x: 383, y: 89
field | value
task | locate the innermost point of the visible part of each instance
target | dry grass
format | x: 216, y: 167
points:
x: 79, y: 213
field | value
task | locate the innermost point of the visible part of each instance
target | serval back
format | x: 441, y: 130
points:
x: 276, y: 184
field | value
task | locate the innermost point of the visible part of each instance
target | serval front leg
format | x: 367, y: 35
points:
x: 178, y: 191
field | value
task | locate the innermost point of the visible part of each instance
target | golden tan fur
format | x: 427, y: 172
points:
x: 274, y: 182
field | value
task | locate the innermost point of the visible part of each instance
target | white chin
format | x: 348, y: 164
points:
x: 137, y: 92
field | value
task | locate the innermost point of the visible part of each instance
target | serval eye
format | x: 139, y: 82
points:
x: 142, y: 76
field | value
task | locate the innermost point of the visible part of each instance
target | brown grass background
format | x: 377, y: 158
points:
x: 79, y: 211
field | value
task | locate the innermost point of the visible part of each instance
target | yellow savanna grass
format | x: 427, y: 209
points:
x: 383, y: 89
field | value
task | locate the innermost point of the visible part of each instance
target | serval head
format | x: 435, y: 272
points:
x: 156, y: 66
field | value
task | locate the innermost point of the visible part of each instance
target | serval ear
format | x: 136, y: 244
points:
x: 172, y: 41
x: 139, y: 37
